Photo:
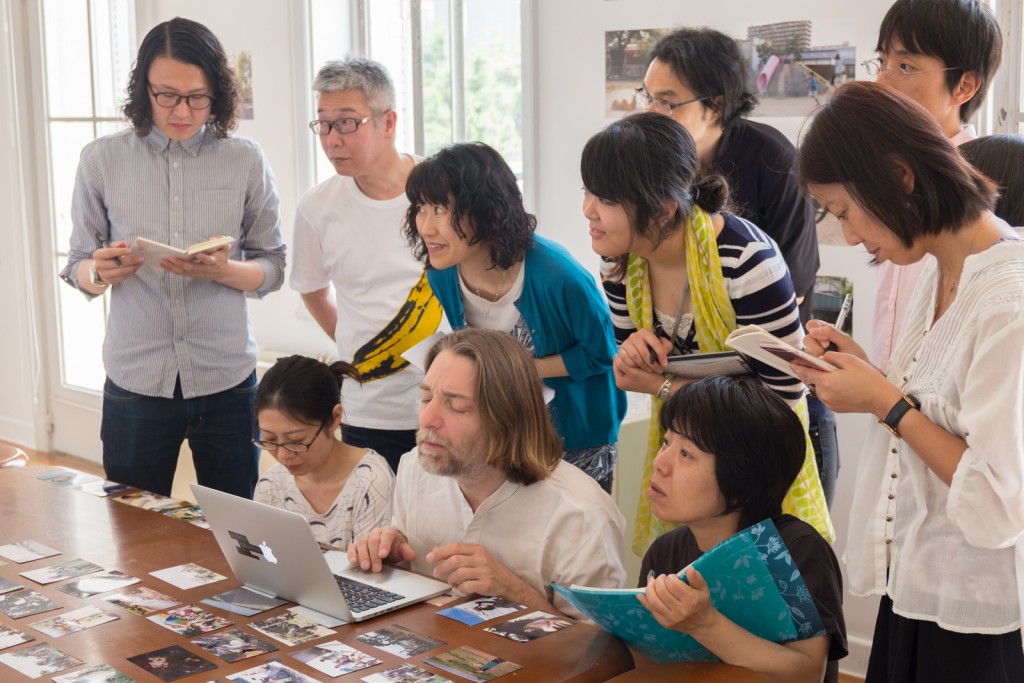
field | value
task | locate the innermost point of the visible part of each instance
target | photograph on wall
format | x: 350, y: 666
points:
x: 790, y: 72
x: 243, y: 71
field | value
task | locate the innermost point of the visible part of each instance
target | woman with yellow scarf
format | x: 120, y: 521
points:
x: 680, y: 273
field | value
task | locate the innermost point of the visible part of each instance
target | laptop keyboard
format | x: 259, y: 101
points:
x: 362, y: 597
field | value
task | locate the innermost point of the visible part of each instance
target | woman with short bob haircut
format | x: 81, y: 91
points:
x: 681, y: 274
x: 937, y: 522
x: 489, y: 269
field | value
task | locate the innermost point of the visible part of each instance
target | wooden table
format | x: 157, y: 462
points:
x: 137, y: 542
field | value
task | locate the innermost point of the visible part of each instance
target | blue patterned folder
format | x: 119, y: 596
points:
x: 753, y: 581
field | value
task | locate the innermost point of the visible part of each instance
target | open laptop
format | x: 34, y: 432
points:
x: 274, y: 552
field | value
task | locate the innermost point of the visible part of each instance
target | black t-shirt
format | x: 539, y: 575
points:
x: 757, y: 161
x: 818, y: 565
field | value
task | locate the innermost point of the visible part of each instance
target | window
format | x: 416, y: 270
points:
x: 87, y: 54
x: 457, y: 66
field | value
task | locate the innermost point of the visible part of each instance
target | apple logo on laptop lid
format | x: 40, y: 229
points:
x: 267, y: 553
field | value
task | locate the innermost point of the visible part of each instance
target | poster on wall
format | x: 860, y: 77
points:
x: 790, y: 74
x: 243, y: 71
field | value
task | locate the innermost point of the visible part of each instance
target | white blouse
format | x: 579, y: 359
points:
x: 952, y: 555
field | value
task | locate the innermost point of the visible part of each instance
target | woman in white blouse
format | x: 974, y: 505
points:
x: 342, y: 490
x: 938, y: 514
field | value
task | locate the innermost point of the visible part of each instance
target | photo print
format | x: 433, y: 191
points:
x: 64, y: 570
x: 530, y: 626
x: 171, y: 663
x: 75, y: 620
x: 400, y: 641
x: 291, y: 629
x: 189, y: 621
x: 142, y: 601
x: 334, y: 658
x: 234, y: 645
x: 25, y: 603
x: 39, y: 660
x: 188, y: 575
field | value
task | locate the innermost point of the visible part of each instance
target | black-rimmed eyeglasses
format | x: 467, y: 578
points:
x: 646, y: 101
x: 293, y: 446
x: 342, y: 126
x: 170, y: 100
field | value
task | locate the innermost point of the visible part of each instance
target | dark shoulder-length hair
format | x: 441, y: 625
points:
x: 302, y: 388
x: 756, y: 439
x: 641, y: 162
x: 480, y: 190
x: 192, y: 43
x: 865, y: 135
x: 1001, y: 158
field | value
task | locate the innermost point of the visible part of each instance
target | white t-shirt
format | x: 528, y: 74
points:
x: 363, y: 503
x: 564, y: 529
x: 344, y: 238
x: 501, y: 315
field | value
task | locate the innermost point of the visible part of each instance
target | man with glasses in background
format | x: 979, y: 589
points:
x: 179, y: 353
x: 941, y: 54
x: 698, y: 77
x: 348, y: 239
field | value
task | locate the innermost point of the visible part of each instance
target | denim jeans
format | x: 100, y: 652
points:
x: 822, y: 430
x: 392, y: 444
x: 142, y: 436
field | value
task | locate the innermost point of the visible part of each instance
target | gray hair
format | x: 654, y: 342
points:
x: 365, y: 75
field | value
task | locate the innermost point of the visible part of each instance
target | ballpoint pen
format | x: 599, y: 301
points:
x: 844, y: 311
x: 105, y: 244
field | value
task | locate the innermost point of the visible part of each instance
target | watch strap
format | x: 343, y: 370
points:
x: 903, y: 406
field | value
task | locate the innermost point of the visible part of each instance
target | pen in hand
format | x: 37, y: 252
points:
x: 654, y: 354
x: 106, y: 244
x: 844, y: 311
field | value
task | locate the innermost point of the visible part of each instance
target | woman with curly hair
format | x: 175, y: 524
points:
x: 179, y: 353
x: 489, y: 269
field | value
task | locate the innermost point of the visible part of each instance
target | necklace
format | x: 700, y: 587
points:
x: 944, y: 296
x: 492, y: 300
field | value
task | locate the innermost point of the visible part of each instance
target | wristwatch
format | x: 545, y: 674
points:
x: 94, y: 277
x: 902, y: 407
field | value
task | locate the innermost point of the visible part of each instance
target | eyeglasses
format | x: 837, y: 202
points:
x: 343, y: 126
x: 170, y: 100
x: 877, y: 66
x: 644, y: 99
x: 294, y: 447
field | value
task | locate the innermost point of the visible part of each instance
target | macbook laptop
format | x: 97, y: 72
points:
x: 274, y: 552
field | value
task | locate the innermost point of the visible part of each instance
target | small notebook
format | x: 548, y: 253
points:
x: 154, y: 251
x: 757, y: 343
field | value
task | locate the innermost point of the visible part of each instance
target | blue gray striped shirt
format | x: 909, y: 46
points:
x: 163, y: 326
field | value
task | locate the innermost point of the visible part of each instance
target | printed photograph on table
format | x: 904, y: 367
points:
x: 405, y: 673
x: 75, y: 620
x: 6, y: 586
x: 68, y: 478
x: 481, y: 610
x: 291, y: 629
x: 39, y: 660
x: 473, y: 664
x: 400, y: 641
x: 334, y: 658
x: 26, y: 551
x: 192, y: 515
x: 150, y: 501
x: 186, y: 576
x: 171, y: 663
x: 142, y: 601
x: 243, y: 601
x: 189, y: 621
x: 98, y: 583
x: 64, y: 570
x: 234, y: 645
x: 530, y: 626
x: 271, y: 672
x: 10, y: 637
x: 25, y: 603
x: 103, y: 673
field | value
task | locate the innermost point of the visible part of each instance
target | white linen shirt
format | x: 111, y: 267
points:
x: 954, y: 555
x: 564, y: 528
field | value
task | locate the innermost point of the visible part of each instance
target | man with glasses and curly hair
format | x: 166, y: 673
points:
x: 941, y: 54
x: 179, y: 352
x: 352, y: 265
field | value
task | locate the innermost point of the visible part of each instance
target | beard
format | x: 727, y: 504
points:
x: 454, y: 460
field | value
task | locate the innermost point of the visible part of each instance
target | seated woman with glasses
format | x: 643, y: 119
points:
x: 681, y: 275
x: 342, y: 490
x: 489, y: 269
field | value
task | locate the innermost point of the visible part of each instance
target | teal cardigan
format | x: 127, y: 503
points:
x: 567, y: 315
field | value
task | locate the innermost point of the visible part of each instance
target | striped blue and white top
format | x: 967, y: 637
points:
x: 163, y: 326
x: 761, y: 291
